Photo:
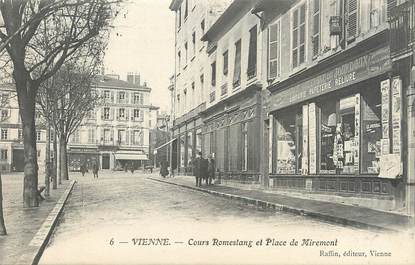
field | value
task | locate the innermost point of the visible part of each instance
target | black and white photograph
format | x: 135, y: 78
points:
x: 207, y: 132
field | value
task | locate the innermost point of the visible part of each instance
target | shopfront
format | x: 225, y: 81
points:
x: 340, y: 132
x: 82, y: 156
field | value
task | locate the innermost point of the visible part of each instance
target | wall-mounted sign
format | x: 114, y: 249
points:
x: 335, y: 25
x: 356, y: 70
x: 385, y: 90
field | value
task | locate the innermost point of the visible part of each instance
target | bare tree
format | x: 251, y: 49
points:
x: 66, y: 25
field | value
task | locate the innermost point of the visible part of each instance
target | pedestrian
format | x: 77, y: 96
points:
x: 95, y: 170
x: 164, y: 171
x: 204, y: 166
x: 132, y: 168
x: 196, y: 169
x: 83, y: 169
x: 211, y: 168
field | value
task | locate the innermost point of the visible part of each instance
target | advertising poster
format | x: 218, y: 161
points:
x: 356, y: 149
x: 312, y: 117
x: 396, y: 115
x: 304, y: 167
x: 385, y: 90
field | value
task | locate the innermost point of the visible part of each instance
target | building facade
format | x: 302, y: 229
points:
x: 11, y: 136
x: 306, y: 97
x: 116, y: 134
x: 193, y: 18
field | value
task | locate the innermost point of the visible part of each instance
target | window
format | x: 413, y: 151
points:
x: 91, y: 135
x: 237, y: 66
x: 298, y: 36
x: 137, y: 98
x: 107, y: 96
x: 274, y: 50
x: 186, y: 8
x: 107, y: 136
x: 4, y: 154
x: 316, y: 28
x: 106, y: 115
x: 225, y: 63
x: 4, y: 134
x: 289, y: 142
x: 371, y: 130
x: 252, y: 56
x: 137, y: 137
x: 337, y: 137
x: 4, y: 113
x: 121, y: 114
x: 121, y: 137
x: 213, y: 71
x: 185, y: 54
x: 202, y: 26
x: 136, y: 114
x: 179, y: 60
x: 121, y: 97
x: 38, y: 136
x: 20, y: 134
x: 193, y: 43
x: 244, y: 146
x: 375, y: 13
x: 202, y: 87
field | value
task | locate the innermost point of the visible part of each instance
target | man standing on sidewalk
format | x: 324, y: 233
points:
x: 196, y: 169
x: 95, y: 170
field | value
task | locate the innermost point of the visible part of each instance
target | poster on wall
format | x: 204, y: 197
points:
x: 385, y: 90
x: 304, y: 166
x: 357, y: 133
x: 396, y: 115
x: 312, y: 137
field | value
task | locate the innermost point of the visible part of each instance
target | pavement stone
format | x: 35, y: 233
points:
x: 359, y: 217
x: 27, y: 228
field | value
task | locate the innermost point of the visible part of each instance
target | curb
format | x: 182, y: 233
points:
x: 284, y: 208
x: 39, y: 242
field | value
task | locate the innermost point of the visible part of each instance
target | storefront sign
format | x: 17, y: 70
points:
x: 312, y: 118
x: 304, y: 162
x: 361, y: 68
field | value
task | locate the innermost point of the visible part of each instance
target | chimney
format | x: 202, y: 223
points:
x: 130, y: 77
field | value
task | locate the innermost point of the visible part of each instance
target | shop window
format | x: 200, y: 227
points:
x: 189, y: 150
x: 327, y: 136
x: 371, y: 131
x: 289, y: 142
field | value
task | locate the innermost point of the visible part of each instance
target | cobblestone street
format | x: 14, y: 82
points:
x: 104, y: 217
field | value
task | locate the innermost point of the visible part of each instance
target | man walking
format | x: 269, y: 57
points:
x: 196, y: 169
x: 95, y: 170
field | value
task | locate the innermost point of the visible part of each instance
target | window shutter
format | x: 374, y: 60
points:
x: 274, y: 50
x: 252, y: 56
x: 352, y: 21
x: 390, y: 5
x: 237, y: 66
x: 316, y: 28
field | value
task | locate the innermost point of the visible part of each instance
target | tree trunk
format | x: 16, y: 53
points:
x: 55, y: 162
x: 2, y: 225
x: 48, y: 168
x: 58, y: 161
x: 64, y: 158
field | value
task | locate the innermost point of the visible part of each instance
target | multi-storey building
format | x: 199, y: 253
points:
x: 11, y: 136
x: 193, y: 18
x: 334, y: 119
x: 116, y: 134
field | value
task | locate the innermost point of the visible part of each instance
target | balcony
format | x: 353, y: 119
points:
x: 402, y: 28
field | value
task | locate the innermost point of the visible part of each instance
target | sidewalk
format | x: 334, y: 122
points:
x: 27, y: 228
x: 327, y: 211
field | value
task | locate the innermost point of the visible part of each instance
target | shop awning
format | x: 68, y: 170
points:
x: 130, y: 156
x: 163, y: 145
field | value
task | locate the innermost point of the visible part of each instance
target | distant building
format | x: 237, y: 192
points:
x: 11, y: 134
x: 116, y: 134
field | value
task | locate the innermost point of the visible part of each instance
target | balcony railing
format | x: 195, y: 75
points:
x: 402, y: 28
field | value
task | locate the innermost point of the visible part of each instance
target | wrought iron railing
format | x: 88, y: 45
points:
x: 402, y: 28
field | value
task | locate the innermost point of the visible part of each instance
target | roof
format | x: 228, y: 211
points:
x: 232, y: 14
x: 106, y: 81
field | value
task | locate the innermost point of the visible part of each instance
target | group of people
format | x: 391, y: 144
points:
x: 95, y: 169
x: 204, y: 169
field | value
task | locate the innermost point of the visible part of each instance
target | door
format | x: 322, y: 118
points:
x: 18, y: 160
x: 105, y: 161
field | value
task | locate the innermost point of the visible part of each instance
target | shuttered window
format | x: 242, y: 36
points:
x: 213, y: 71
x: 252, y: 56
x: 298, y: 36
x: 237, y: 65
x: 352, y: 19
x: 390, y: 5
x: 316, y: 28
x: 274, y: 49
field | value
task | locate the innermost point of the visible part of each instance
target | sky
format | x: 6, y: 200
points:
x: 143, y: 42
